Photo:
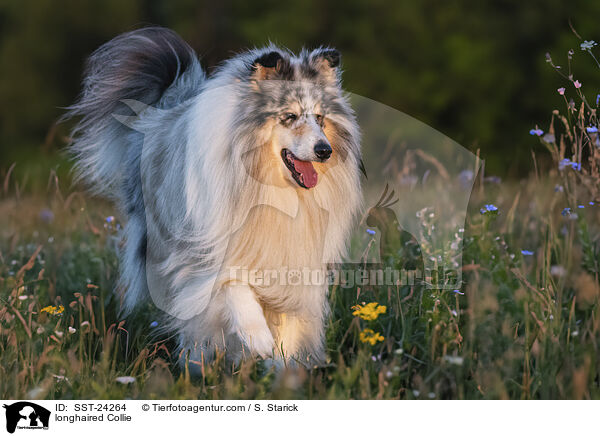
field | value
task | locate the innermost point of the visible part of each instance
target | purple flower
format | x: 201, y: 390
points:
x: 370, y: 232
x: 577, y: 84
x: 457, y: 291
x: 561, y: 91
x: 46, y: 215
x: 592, y: 129
x: 110, y: 219
x: 581, y: 206
x: 537, y: 131
x: 568, y: 163
x: 154, y: 324
x: 591, y: 203
x: 566, y: 211
x: 597, y: 99
x: 526, y: 253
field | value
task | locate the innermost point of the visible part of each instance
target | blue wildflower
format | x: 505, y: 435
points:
x: 537, y: 131
x: 457, y: 291
x: 581, y: 206
x: 370, y: 232
x: 110, y: 219
x: 567, y: 163
x: 566, y: 211
x: 489, y: 208
x: 597, y: 99
x: 527, y: 253
x: 592, y: 129
x: 154, y: 324
x: 591, y: 203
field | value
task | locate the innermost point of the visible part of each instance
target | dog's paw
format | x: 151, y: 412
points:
x: 257, y: 338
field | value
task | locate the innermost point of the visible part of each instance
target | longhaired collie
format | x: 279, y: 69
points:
x: 239, y: 188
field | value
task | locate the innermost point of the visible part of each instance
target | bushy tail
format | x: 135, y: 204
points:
x: 139, y: 65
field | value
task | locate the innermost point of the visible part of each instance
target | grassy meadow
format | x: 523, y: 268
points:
x: 526, y: 324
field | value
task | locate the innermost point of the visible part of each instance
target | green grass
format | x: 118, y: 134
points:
x: 526, y: 326
x: 526, y: 323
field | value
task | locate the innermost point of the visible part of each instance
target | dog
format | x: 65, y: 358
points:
x: 255, y: 167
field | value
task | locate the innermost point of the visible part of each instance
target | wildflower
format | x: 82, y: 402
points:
x: 58, y: 333
x: 72, y: 330
x: 110, y: 219
x: 369, y: 312
x: 125, y: 380
x: 369, y: 336
x: 399, y: 352
x: 370, y: 232
x: 488, y: 208
x: 591, y: 203
x: 597, y: 99
x: 577, y: 84
x: 154, y: 324
x: 53, y: 310
x: 549, y: 138
x: 561, y: 91
x: 454, y: 360
x: 587, y: 45
x: 527, y: 253
x: 40, y: 330
x: 23, y: 297
x: 592, y: 129
x: 566, y: 211
x: 558, y: 188
x: 581, y: 206
x: 457, y: 291
x: 46, y: 215
x: 557, y: 270
x: 568, y: 163
x: 537, y: 131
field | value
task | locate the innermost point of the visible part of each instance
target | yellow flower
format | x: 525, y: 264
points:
x: 53, y: 310
x: 368, y: 335
x: 369, y: 312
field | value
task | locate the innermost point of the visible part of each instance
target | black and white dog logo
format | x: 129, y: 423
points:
x: 26, y: 415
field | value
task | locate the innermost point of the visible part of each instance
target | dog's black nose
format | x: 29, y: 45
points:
x: 323, y: 150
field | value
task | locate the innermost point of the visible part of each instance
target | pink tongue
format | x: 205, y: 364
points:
x: 309, y: 175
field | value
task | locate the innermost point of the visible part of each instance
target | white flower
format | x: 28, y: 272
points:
x: 125, y: 380
x: 558, y: 271
x: 454, y: 360
x: 587, y: 45
x: 72, y: 330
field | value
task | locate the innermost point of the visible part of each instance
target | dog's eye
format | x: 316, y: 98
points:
x: 289, y: 117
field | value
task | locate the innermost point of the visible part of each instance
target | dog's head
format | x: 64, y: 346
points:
x: 297, y: 104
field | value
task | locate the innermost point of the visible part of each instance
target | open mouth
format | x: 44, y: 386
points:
x: 303, y: 171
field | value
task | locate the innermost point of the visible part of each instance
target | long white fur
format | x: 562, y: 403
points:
x: 207, y: 208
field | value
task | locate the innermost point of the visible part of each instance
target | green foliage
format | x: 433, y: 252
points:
x: 473, y: 71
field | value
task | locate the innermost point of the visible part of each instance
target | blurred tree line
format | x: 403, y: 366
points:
x: 476, y: 71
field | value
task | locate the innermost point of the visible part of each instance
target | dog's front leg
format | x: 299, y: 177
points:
x: 247, y: 320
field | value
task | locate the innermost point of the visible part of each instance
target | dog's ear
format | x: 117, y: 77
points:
x: 326, y: 61
x: 270, y: 65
